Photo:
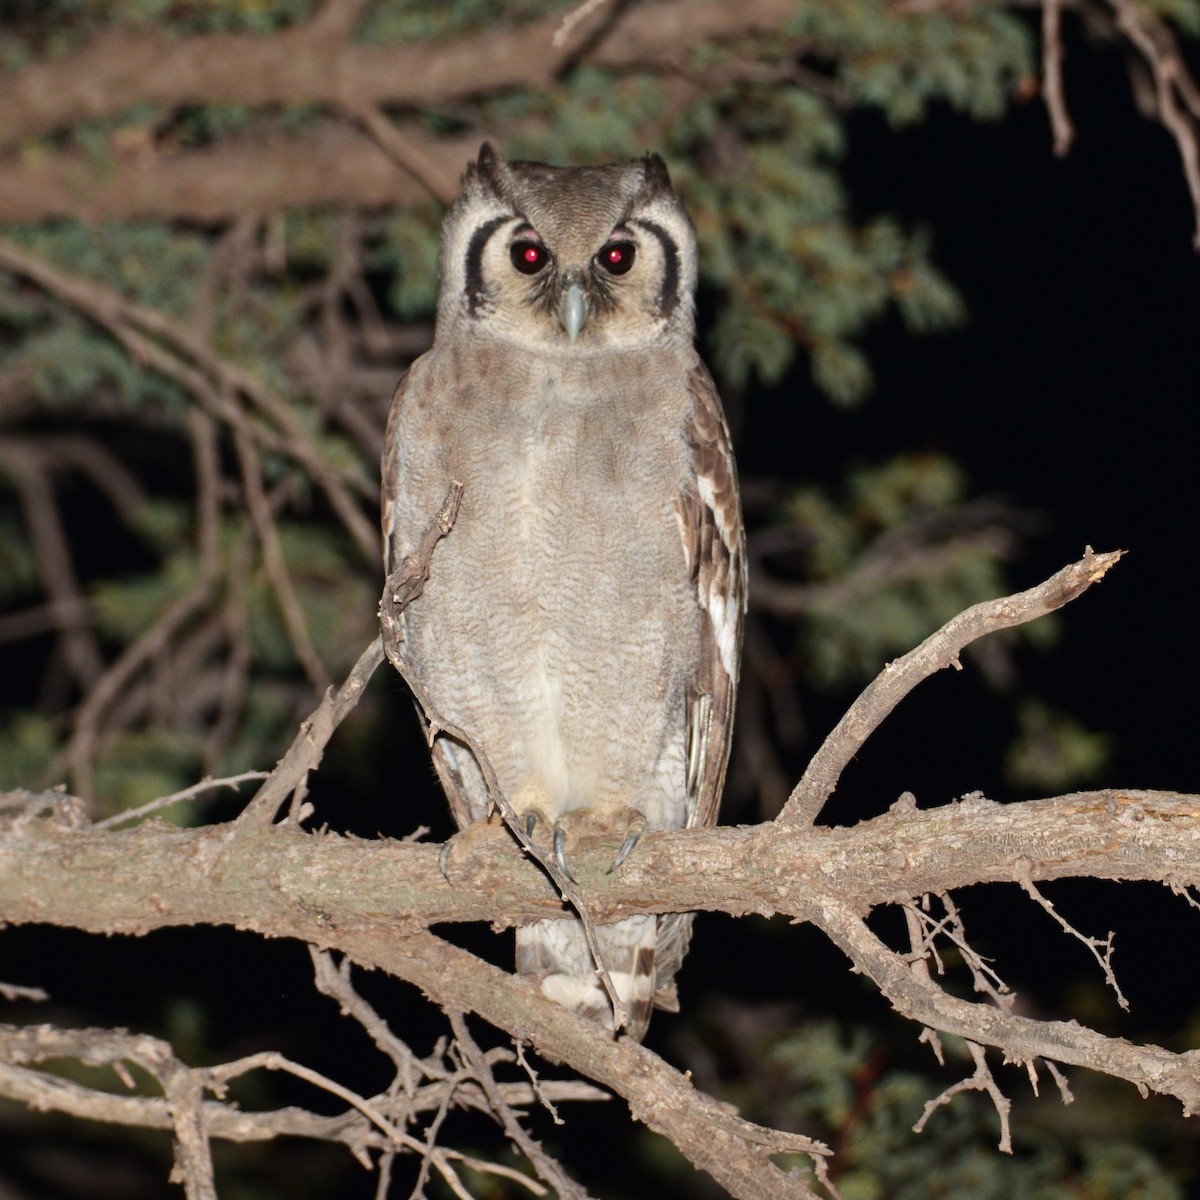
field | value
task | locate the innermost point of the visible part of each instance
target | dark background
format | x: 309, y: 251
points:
x: 1070, y: 394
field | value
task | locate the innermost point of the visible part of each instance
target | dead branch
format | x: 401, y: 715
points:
x: 550, y: 1170
x: 275, y: 564
x: 52, y: 548
x: 48, y: 1091
x: 281, y: 881
x: 168, y: 875
x: 938, y: 651
x: 304, y: 65
x: 1101, y: 948
x: 981, y: 1081
x: 1176, y: 93
x: 307, y: 748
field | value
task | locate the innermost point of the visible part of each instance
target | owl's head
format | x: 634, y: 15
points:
x: 568, y: 259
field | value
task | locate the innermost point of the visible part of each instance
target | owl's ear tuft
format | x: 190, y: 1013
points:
x: 655, y: 173
x: 489, y: 169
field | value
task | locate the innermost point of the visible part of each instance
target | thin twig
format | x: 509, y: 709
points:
x: 1101, y: 948
x: 562, y: 35
x: 545, y: 1165
x: 981, y: 1081
x: 406, y: 153
x: 308, y: 746
x: 334, y: 981
x: 276, y: 565
x: 207, y: 784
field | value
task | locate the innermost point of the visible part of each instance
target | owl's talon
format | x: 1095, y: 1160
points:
x: 530, y: 824
x: 636, y: 829
x: 560, y: 839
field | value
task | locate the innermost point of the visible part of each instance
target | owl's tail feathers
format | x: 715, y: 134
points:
x: 558, y: 952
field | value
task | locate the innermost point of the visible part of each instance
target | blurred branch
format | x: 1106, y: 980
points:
x: 1175, y: 91
x: 1174, y: 97
x: 29, y: 468
x: 306, y: 65
x: 917, y: 550
x: 222, y: 388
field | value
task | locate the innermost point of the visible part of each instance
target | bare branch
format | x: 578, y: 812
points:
x: 408, y: 154
x: 275, y: 564
x: 550, y: 1170
x: 936, y: 652
x: 187, y: 793
x: 981, y: 1081
x: 1101, y: 948
x: 1176, y: 93
x: 166, y: 346
x: 305, y: 65
x: 308, y: 746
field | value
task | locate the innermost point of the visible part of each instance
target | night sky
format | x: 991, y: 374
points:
x: 1071, y: 394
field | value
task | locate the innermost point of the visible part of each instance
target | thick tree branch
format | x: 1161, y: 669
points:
x: 252, y: 876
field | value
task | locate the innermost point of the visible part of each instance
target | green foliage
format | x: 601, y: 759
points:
x: 922, y: 569
x: 27, y: 744
x: 1054, y: 751
x: 406, y: 248
x: 840, y: 1085
x: 158, y: 265
x: 138, y: 767
x: 973, y: 60
x: 1184, y: 13
x: 67, y: 362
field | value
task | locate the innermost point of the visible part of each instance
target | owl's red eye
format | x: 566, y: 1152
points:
x: 617, y: 257
x: 528, y: 257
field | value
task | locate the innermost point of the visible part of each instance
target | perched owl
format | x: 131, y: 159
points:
x: 582, y: 622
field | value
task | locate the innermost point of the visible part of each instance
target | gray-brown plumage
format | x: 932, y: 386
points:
x: 582, y: 622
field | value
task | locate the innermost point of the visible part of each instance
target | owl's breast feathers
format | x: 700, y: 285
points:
x: 582, y: 621
x: 593, y: 587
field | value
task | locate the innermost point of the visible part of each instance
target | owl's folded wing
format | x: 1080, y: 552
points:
x: 714, y: 545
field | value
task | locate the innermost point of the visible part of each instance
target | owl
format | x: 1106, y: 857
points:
x: 582, y: 622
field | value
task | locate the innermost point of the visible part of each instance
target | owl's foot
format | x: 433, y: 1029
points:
x: 463, y: 856
x: 571, y: 826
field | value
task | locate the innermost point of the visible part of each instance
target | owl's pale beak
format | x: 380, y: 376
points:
x: 573, y: 310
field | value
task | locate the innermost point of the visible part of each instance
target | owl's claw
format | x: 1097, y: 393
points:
x: 636, y: 828
x: 560, y: 839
